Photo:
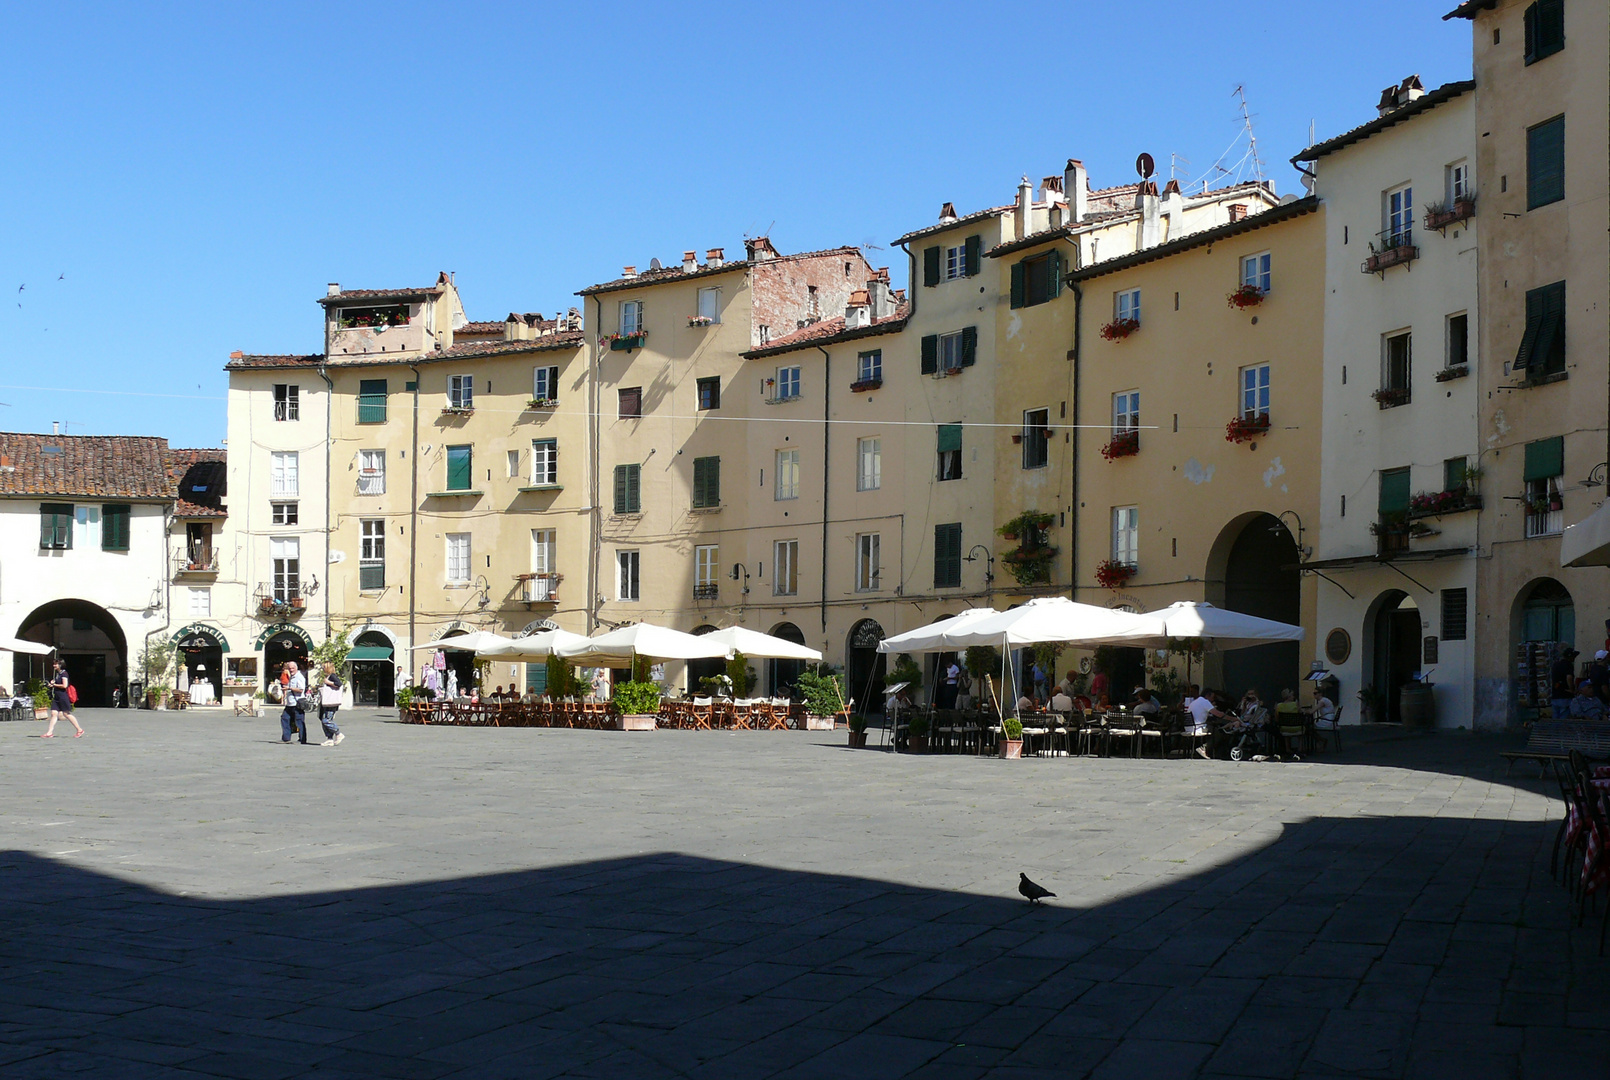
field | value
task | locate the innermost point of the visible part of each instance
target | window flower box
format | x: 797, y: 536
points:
x: 1389, y: 397
x: 626, y: 342
x: 457, y: 410
x: 863, y: 385
x: 1124, y: 444
x: 1114, y: 575
x: 700, y: 321
x: 1246, y: 296
x: 1246, y: 428
x: 1119, y: 329
x: 1392, y: 250
x: 1436, y: 503
x: 1441, y: 217
x: 1449, y: 374
x: 543, y: 403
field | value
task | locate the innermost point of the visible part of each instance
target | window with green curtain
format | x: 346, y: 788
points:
x: 56, y: 526
x: 706, y: 481
x: 948, y: 556
x: 628, y: 489
x: 950, y: 437
x: 1545, y: 163
x: 1394, y: 491
x: 115, y: 527
x: 1545, y: 458
x: 458, y: 468
x: 372, y: 401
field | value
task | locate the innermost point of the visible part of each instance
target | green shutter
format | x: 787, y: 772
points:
x: 1545, y: 458
x: 458, y: 468
x: 372, y: 576
x: 1551, y: 332
x: 969, y: 346
x: 1019, y: 272
x: 974, y: 250
x: 707, y: 481
x: 1545, y: 163
x: 950, y: 437
x: 1529, y: 19
x: 1534, y: 324
x: 372, y: 401
x: 1455, y: 474
x: 930, y: 267
x: 1053, y: 287
x: 55, y: 525
x: 930, y: 354
x: 115, y: 528
x: 1394, y: 491
x: 536, y: 678
x: 620, y: 489
x: 947, y: 556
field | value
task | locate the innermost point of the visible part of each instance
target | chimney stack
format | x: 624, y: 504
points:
x: 714, y: 257
x: 879, y: 294
x: 858, y: 310
x: 1395, y: 97
x: 760, y: 249
x: 1076, y: 190
x: 1025, y: 203
x: 947, y: 213
x: 333, y: 289
x: 629, y: 272
x: 55, y: 427
x: 1151, y: 233
x: 690, y: 262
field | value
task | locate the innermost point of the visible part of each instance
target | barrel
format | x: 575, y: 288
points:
x: 1416, y: 707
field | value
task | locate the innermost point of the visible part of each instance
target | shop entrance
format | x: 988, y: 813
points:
x: 866, y: 666
x: 374, y: 671
x: 1395, y: 644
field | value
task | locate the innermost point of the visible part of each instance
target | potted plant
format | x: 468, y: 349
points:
x: 1246, y: 296
x: 1119, y: 329
x: 40, y: 692
x: 863, y: 385
x: 700, y: 320
x: 1455, y: 371
x: 637, y: 705
x: 543, y: 403
x: 917, y: 735
x: 1246, y: 428
x: 858, y: 731
x: 906, y: 670
x: 626, y: 342
x: 823, y: 693
x: 1011, y: 744
x: 1389, y: 396
x: 1112, y: 574
x: 1124, y: 444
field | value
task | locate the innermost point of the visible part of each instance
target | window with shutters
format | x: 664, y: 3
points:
x: 628, y: 489
x: 948, y: 556
x: 710, y: 305
x: 706, y: 483
x: 787, y: 474
x: 1455, y: 605
x: 1126, y: 535
x: 1458, y: 333
x: 947, y: 263
x: 1254, y: 391
x: 710, y: 392
x: 629, y: 401
x: 459, y: 461
x: 282, y: 473
x: 868, y: 562
x: 56, y: 526
x: 1542, y: 348
x: 1545, y: 29
x: 371, y: 472
x: 1545, y: 163
x: 869, y: 464
x: 544, y: 462
x: 955, y: 262
x: 1036, y: 438
x: 628, y: 583
x: 1255, y: 271
x: 287, y: 402
x: 200, y: 603
x: 371, y: 554
x: 284, y: 513
x: 461, y: 392
x: 950, y: 351
x: 950, y: 452
x: 945, y: 354
x: 785, y: 568
x: 458, y: 558
x: 631, y: 316
x: 115, y: 526
x: 285, y: 556
x: 1544, y: 473
x: 1392, y: 512
x: 372, y: 401
x: 1037, y: 280
x: 706, y: 572
x: 545, y: 383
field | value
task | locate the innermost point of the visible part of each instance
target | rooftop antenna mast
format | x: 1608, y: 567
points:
x: 1174, y: 163
x: 1252, y: 138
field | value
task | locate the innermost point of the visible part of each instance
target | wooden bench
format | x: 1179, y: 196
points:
x: 1553, y: 740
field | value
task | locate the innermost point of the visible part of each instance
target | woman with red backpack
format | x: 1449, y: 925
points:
x: 61, y: 703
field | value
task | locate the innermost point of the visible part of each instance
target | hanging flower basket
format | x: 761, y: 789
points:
x: 1449, y: 374
x: 1029, y: 565
x: 1246, y: 296
x: 1246, y: 428
x: 1431, y: 504
x: 1119, y: 329
x: 1124, y: 444
x: 1114, y: 575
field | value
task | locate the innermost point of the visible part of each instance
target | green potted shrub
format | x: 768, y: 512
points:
x: 858, y: 731
x: 637, y: 705
x: 917, y: 735
x: 1011, y: 744
x: 823, y: 692
x: 40, y: 692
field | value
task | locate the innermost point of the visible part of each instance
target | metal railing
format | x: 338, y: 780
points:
x: 196, y: 561
x: 538, y: 588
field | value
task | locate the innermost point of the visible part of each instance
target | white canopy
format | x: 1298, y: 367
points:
x: 932, y: 638
x: 1052, y: 618
x: 1587, y: 543
x: 762, y: 646
x: 32, y: 648
x: 538, y: 646
x: 477, y: 641
x: 1216, y: 627
x: 618, y: 648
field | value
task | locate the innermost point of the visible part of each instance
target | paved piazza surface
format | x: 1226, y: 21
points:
x: 181, y: 895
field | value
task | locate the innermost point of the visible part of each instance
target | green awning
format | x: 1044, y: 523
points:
x: 370, y: 652
x: 1545, y: 458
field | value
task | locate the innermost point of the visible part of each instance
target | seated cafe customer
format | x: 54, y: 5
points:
x: 1586, y: 705
x: 1202, y: 711
x: 1146, y: 704
x: 1061, y: 702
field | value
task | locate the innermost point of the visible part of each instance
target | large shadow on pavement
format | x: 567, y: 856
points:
x: 1401, y: 947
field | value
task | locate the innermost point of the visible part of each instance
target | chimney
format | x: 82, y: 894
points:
x: 1025, y: 203
x: 947, y: 213
x: 55, y: 427
x: 1395, y: 97
x: 858, y: 310
x: 713, y: 257
x: 628, y: 271
x: 1051, y: 190
x: 332, y: 289
x: 1076, y: 190
x: 881, y: 299
x: 1237, y: 212
x: 236, y: 355
x: 1151, y: 232
x: 760, y: 249
x: 690, y: 262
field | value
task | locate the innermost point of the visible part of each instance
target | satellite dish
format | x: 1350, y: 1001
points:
x: 1145, y: 166
x: 654, y: 264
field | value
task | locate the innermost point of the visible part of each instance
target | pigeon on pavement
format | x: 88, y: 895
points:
x: 1034, y: 892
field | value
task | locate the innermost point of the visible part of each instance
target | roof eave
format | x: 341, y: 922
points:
x: 856, y: 333
x: 1444, y: 93
x: 1270, y: 217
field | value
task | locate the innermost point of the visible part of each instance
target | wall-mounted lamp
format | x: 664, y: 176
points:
x: 1281, y: 527
x: 741, y: 569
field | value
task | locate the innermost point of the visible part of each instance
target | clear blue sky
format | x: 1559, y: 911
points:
x: 182, y: 180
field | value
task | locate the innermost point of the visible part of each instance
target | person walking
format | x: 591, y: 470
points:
x: 329, y: 702
x: 292, y: 720
x: 61, y: 703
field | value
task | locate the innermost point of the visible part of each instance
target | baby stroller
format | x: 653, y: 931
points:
x: 1254, y: 731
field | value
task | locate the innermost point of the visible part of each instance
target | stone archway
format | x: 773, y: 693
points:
x: 283, y: 643
x: 781, y: 675
x: 201, y: 650
x: 1253, y: 569
x: 1542, y: 623
x: 1391, y: 652
x: 373, y: 669
x: 89, y: 643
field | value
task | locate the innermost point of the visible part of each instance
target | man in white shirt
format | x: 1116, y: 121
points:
x: 1202, y: 710
x: 1061, y: 702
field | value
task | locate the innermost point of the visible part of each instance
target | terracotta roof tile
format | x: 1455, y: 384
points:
x: 676, y: 273
x: 966, y: 219
x: 347, y: 296
x: 199, y: 478
x: 1273, y: 216
x: 571, y: 339
x: 84, y: 466
x: 831, y: 331
x: 239, y: 361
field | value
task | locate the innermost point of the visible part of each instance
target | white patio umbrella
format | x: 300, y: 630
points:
x: 475, y: 641
x: 1587, y: 543
x: 533, y: 647
x: 32, y: 648
x: 1216, y: 627
x: 932, y: 638
x: 1051, y: 618
x: 761, y: 646
x: 618, y: 648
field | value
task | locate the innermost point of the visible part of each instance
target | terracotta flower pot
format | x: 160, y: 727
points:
x: 917, y: 744
x: 858, y: 740
x: 1010, y: 748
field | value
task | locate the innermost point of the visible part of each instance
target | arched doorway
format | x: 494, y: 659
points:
x: 281, y: 644
x: 1261, y: 578
x: 781, y: 675
x: 706, y: 668
x: 459, y: 674
x: 865, y: 666
x: 89, y: 643
x: 1544, y: 624
x: 374, y: 670
x: 201, y: 651
x: 1393, y: 645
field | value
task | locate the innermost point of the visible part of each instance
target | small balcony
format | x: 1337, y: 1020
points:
x: 1392, y: 248
x: 1391, y: 536
x: 1444, y: 217
x: 279, y: 603
x: 710, y: 590
x: 538, y: 588
x: 195, y: 563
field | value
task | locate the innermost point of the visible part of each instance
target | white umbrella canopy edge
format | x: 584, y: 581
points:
x: 1587, y: 543
x: 474, y: 641
x: 618, y: 648
x: 1053, y: 619
x: 535, y: 647
x: 933, y: 636
x: 753, y: 643
x: 22, y: 645
x: 1218, y: 628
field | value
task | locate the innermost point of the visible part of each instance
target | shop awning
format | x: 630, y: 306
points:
x: 370, y: 652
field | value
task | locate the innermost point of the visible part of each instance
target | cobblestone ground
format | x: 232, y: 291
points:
x: 181, y: 895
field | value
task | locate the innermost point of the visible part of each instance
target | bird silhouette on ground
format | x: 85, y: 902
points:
x: 1034, y: 892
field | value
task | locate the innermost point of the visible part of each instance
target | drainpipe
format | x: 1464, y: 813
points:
x: 329, y: 405
x: 1073, y: 533
x: 911, y: 282
x: 413, y: 524
x: 827, y: 429
x: 595, y: 514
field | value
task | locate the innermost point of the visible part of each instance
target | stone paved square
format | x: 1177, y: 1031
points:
x: 182, y: 895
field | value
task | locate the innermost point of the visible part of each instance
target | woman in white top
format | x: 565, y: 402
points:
x: 1324, y: 711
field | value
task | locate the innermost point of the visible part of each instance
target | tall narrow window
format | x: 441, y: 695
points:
x: 1400, y: 217
x: 458, y: 468
x: 545, y: 383
x: 1456, y: 474
x: 1255, y: 271
x: 543, y: 584
x: 869, y: 464
x: 868, y: 562
x: 115, y: 527
x: 458, y: 558
x: 950, y: 451
x: 200, y: 603
x: 56, y: 526
x: 1458, y: 340
x: 787, y: 383
x: 1545, y: 163
x: 1459, y: 185
x: 544, y: 462
x: 631, y: 316
x: 1544, y: 474
x: 1036, y: 438
x: 706, y: 482
x: 710, y: 305
x: 371, y: 554
x: 1126, y: 412
x: 1392, y: 512
x: 706, y: 572
x: 629, y: 401
x: 1036, y: 280
x: 282, y: 473
x: 287, y: 402
x: 787, y: 474
x: 371, y: 472
x: 1454, y: 619
x: 1254, y: 391
x: 628, y: 489
x: 627, y: 580
x: 785, y: 567
x: 1126, y: 535
x: 461, y: 391
x: 285, y: 554
x: 1395, y: 373
x: 1126, y: 306
x: 948, y: 555
x: 372, y: 401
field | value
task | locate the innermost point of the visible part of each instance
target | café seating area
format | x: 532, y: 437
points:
x: 687, y: 714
